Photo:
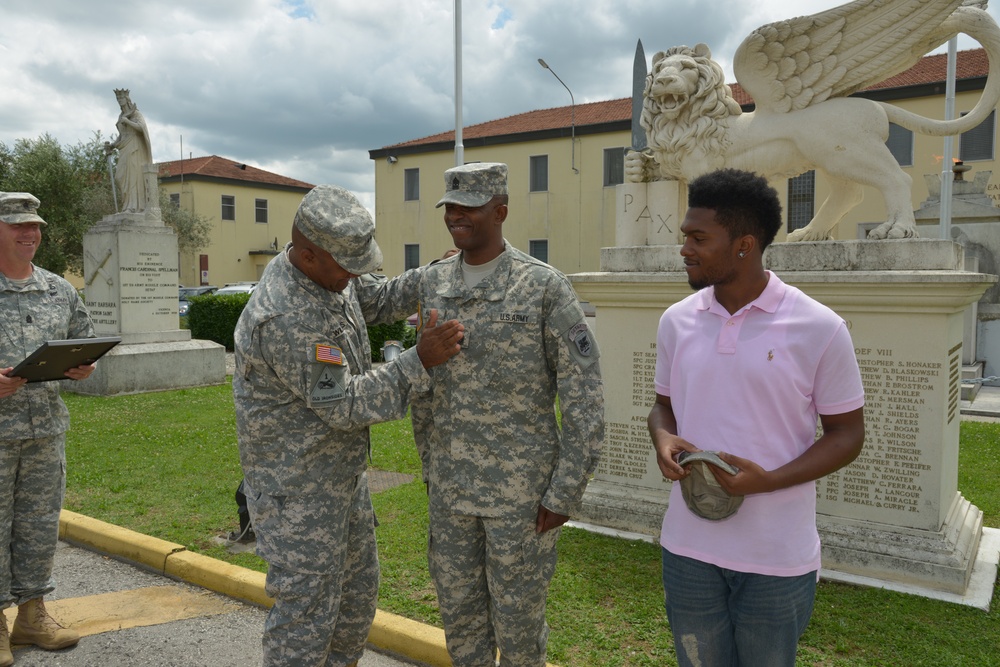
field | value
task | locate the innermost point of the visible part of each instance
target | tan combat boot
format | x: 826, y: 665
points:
x: 6, y: 657
x: 33, y: 625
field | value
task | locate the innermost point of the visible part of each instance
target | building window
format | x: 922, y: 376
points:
x: 411, y: 184
x: 175, y: 200
x: 539, y: 250
x: 411, y: 255
x: 977, y: 143
x: 228, y: 207
x: 801, y: 197
x: 614, y: 166
x: 260, y: 210
x: 900, y: 144
x: 538, y: 173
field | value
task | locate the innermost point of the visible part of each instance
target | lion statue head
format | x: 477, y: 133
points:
x: 685, y: 105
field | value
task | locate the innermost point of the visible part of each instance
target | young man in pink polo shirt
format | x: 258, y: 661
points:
x: 744, y: 367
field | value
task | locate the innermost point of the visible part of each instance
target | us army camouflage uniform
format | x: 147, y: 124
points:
x: 493, y: 451
x: 33, y: 422
x: 302, y: 422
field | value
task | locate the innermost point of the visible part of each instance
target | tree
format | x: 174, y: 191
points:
x: 193, y: 230
x: 69, y: 183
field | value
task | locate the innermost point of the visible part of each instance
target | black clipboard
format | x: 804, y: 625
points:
x: 53, y: 358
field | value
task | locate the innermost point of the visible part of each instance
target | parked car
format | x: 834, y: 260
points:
x: 184, y: 292
x: 236, y: 288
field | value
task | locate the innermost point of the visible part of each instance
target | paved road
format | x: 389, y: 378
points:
x: 130, y: 617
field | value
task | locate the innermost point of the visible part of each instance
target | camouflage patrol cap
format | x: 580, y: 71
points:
x: 474, y: 184
x: 334, y: 219
x: 19, y: 207
x: 701, y: 491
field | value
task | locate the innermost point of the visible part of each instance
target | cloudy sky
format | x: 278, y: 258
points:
x: 305, y: 88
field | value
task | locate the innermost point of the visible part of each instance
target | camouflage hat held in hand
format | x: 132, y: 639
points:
x: 702, y: 493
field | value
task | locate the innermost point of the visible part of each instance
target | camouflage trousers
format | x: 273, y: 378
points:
x: 32, y: 486
x: 323, y: 573
x: 492, y: 577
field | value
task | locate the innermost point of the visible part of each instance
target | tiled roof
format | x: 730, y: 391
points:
x: 931, y: 69
x: 593, y: 113
x: 215, y: 167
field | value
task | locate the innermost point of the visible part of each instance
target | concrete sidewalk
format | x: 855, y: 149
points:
x: 416, y: 642
x: 130, y: 616
x: 985, y: 405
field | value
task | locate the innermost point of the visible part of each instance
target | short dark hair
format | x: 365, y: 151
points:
x: 744, y: 203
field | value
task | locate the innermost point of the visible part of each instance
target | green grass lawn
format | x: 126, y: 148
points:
x: 166, y: 464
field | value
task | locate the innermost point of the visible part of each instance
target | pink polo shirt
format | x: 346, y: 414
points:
x: 753, y: 384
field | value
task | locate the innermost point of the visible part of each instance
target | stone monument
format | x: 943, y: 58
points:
x: 130, y: 281
x: 895, y: 514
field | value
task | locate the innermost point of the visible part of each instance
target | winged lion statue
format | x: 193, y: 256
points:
x: 800, y: 73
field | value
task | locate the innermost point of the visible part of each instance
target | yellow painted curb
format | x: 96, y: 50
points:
x: 417, y: 641
x: 414, y: 640
x: 389, y: 632
x: 219, y: 576
x: 100, y: 536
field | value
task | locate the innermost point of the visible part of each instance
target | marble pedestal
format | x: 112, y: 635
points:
x: 130, y: 274
x: 896, y: 512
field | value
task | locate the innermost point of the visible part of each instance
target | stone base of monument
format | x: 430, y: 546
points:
x: 130, y: 276
x: 895, y: 513
x: 940, y: 559
x: 133, y: 368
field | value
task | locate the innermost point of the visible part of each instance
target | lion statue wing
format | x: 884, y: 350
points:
x: 790, y: 65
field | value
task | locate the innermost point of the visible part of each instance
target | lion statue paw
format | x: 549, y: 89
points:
x: 893, y: 229
x: 640, y: 167
x: 807, y: 233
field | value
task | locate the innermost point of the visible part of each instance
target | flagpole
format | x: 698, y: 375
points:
x: 459, y: 148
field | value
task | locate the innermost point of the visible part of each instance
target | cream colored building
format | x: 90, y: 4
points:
x: 562, y: 175
x: 251, y: 212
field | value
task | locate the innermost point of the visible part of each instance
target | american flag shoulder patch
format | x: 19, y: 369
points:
x: 329, y: 354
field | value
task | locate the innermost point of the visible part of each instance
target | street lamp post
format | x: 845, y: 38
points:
x: 572, y: 111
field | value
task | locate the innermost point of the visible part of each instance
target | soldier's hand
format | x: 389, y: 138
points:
x: 547, y: 519
x: 80, y: 372
x: 439, y: 342
x: 9, y: 385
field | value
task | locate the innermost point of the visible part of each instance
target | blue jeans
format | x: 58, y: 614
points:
x: 723, y: 618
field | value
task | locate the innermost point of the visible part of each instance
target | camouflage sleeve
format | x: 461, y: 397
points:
x: 572, y: 352
x: 324, y: 382
x: 80, y: 324
x: 388, y: 300
x: 422, y: 419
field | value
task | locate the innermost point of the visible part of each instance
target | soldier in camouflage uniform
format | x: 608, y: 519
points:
x: 502, y: 475
x: 35, y: 306
x: 305, y: 396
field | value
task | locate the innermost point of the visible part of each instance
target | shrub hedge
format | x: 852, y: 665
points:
x: 213, y: 317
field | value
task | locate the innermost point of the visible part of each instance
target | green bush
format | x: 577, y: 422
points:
x: 213, y: 317
x: 379, y: 333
